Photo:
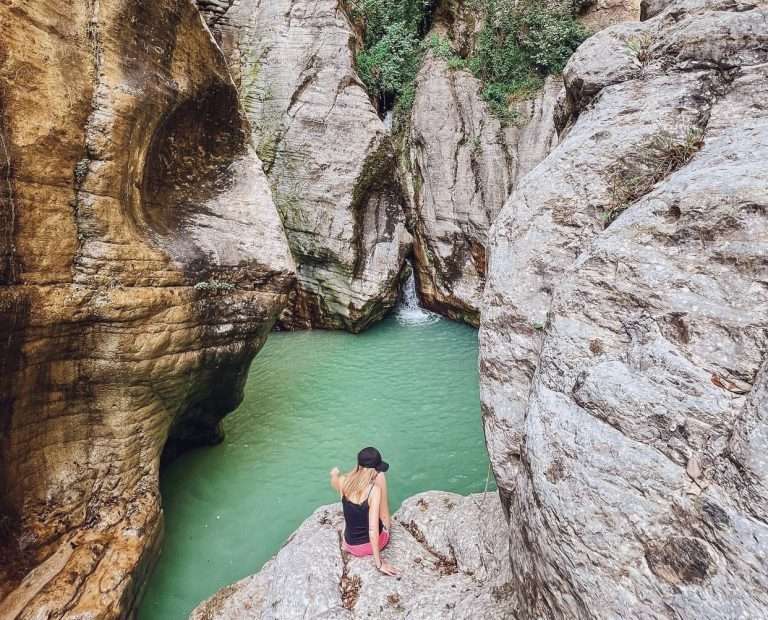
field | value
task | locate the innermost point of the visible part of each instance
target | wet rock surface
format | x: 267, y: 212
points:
x: 143, y: 264
x: 624, y: 330
x: 451, y: 550
x: 328, y: 157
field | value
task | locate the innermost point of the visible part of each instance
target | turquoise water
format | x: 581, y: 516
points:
x: 314, y: 399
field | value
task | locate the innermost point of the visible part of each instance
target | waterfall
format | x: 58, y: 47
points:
x: 408, y: 311
x: 388, y: 120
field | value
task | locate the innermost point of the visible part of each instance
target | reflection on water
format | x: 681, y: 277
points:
x: 312, y: 400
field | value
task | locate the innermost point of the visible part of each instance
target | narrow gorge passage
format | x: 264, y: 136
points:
x: 312, y: 400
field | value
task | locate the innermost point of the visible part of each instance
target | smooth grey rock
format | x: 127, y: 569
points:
x: 619, y: 364
x: 461, y: 163
x: 329, y: 160
x: 452, y: 551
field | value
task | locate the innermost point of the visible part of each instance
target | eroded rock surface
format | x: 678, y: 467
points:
x: 328, y: 158
x: 143, y: 264
x: 451, y: 550
x: 623, y: 333
x: 460, y: 162
x: 599, y: 14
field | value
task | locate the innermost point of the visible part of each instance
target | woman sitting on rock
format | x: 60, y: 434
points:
x: 366, y: 507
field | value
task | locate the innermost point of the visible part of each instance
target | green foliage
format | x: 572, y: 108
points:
x: 443, y: 49
x: 380, y: 15
x: 392, y: 49
x: 456, y: 63
x: 389, y: 66
x: 520, y: 44
x: 440, y: 47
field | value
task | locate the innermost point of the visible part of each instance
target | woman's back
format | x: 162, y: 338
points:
x: 356, y: 519
x: 364, y: 501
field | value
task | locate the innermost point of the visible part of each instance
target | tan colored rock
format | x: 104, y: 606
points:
x: 599, y: 14
x: 328, y: 158
x: 143, y: 265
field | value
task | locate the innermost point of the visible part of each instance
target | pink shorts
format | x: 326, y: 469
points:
x: 365, y: 548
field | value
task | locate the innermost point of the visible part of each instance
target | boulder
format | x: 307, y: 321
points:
x: 329, y: 160
x: 142, y: 265
x: 624, y: 329
x: 451, y: 551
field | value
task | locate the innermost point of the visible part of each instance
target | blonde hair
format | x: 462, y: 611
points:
x: 356, y: 483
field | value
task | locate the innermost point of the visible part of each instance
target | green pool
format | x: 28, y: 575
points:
x: 409, y: 386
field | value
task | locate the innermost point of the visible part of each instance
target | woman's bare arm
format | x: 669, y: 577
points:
x: 374, y: 501
x: 336, y: 479
x: 381, y: 482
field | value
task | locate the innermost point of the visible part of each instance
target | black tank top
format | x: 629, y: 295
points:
x: 356, y: 520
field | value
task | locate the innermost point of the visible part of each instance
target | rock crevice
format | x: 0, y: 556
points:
x: 329, y: 160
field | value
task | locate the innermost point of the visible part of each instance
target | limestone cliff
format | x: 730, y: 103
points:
x: 143, y: 263
x: 460, y: 162
x: 451, y: 551
x: 623, y: 335
x: 328, y: 158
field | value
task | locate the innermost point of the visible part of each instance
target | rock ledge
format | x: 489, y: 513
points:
x: 452, y: 551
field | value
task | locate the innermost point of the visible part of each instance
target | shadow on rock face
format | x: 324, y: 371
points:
x: 190, y: 160
x: 201, y: 179
x: 151, y: 265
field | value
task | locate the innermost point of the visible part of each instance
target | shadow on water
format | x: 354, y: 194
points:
x: 409, y: 386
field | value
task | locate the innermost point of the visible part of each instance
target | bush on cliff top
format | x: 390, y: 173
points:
x: 521, y: 42
x: 391, y: 52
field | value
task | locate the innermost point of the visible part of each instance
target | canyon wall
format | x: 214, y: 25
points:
x: 461, y: 164
x: 143, y: 264
x: 460, y: 161
x: 329, y: 160
x: 623, y: 333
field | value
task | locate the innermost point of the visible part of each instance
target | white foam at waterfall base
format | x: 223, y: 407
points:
x: 408, y: 310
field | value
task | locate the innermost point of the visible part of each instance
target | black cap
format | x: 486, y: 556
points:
x: 371, y: 457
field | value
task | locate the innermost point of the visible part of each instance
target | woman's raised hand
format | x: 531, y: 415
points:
x: 335, y: 471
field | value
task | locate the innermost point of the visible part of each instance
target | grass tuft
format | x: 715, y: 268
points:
x: 635, y: 174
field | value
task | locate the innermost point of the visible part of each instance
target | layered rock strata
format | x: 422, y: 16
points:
x: 328, y: 157
x: 143, y: 265
x: 460, y: 162
x: 451, y: 551
x: 624, y: 329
